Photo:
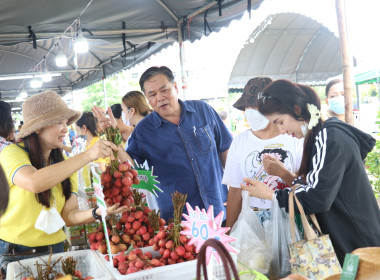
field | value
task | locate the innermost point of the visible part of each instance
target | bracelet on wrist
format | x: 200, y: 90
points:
x: 96, y: 216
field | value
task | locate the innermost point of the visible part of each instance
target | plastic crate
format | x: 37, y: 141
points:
x: 185, y: 271
x: 87, y: 262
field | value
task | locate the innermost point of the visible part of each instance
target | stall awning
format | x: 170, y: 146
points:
x: 288, y: 46
x: 372, y: 76
x: 31, y: 32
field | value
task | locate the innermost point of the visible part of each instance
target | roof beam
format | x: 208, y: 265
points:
x: 201, y: 10
x: 31, y: 90
x: 50, y: 71
x: 94, y: 32
x: 170, y: 12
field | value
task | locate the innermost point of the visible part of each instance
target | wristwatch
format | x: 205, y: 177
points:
x: 96, y: 216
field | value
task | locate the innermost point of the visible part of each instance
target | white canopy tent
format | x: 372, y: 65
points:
x: 120, y: 34
x: 288, y: 46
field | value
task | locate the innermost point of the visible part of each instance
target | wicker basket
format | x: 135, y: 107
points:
x: 369, y: 264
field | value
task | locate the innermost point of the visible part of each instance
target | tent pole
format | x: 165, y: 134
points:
x: 104, y: 87
x: 358, y: 96
x: 346, y: 60
x: 181, y: 60
x: 72, y: 100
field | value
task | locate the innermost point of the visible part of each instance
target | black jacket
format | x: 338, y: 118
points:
x: 338, y: 189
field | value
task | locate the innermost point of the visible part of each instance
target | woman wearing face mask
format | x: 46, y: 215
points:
x: 135, y: 108
x: 336, y: 187
x: 335, y: 99
x: 260, y: 153
x: 121, y: 123
x: 42, y: 184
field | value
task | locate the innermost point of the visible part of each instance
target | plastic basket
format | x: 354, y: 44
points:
x: 87, y: 262
x: 184, y: 271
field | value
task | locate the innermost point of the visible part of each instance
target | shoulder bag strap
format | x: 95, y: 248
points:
x: 315, y: 222
x: 309, y: 232
x: 291, y: 216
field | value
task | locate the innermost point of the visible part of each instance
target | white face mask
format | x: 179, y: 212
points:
x: 255, y: 119
x: 125, y: 119
x: 49, y: 221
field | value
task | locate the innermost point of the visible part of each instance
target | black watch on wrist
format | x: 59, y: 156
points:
x: 96, y: 216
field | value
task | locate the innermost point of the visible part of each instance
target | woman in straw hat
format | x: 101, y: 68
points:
x: 43, y: 186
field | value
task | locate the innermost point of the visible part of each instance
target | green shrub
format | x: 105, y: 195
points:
x: 373, y: 165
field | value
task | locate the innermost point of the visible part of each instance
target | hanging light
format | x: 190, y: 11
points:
x: 46, y: 77
x: 61, y: 59
x: 23, y: 94
x: 19, y: 98
x: 80, y: 44
x: 35, y: 83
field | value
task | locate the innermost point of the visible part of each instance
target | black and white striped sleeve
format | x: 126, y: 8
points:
x: 324, y: 179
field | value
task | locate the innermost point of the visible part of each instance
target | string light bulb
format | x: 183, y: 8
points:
x: 61, y: 59
x: 80, y: 43
x: 35, y: 83
x: 23, y: 94
x: 46, y: 77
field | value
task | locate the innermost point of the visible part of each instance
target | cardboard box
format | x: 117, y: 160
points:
x: 77, y: 235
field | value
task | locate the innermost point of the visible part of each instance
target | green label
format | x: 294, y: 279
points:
x: 350, y: 267
x: 147, y: 180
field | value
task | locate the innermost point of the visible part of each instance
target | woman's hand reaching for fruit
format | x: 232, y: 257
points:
x: 101, y: 149
x: 257, y: 189
x: 104, y: 120
x: 115, y: 209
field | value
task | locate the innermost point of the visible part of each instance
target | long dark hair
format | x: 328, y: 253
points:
x: 89, y: 121
x: 33, y: 147
x: 6, y: 122
x: 4, y: 192
x: 286, y: 97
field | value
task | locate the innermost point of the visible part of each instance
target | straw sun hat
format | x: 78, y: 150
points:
x: 45, y: 109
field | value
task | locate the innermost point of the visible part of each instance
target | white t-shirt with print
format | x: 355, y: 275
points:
x: 244, y: 160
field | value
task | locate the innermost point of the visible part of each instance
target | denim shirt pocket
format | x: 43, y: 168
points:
x: 4, y: 247
x: 204, y: 139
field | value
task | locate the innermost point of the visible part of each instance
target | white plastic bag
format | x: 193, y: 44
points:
x: 281, y: 237
x: 250, y: 238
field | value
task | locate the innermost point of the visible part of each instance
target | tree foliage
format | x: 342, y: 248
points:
x: 373, y: 164
x: 116, y: 87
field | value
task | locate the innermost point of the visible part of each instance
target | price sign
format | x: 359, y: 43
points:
x: 98, y: 191
x: 147, y: 179
x: 201, y: 225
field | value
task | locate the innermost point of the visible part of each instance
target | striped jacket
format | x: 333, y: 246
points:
x: 338, y: 190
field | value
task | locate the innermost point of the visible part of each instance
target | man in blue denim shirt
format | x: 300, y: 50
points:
x: 185, y: 141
